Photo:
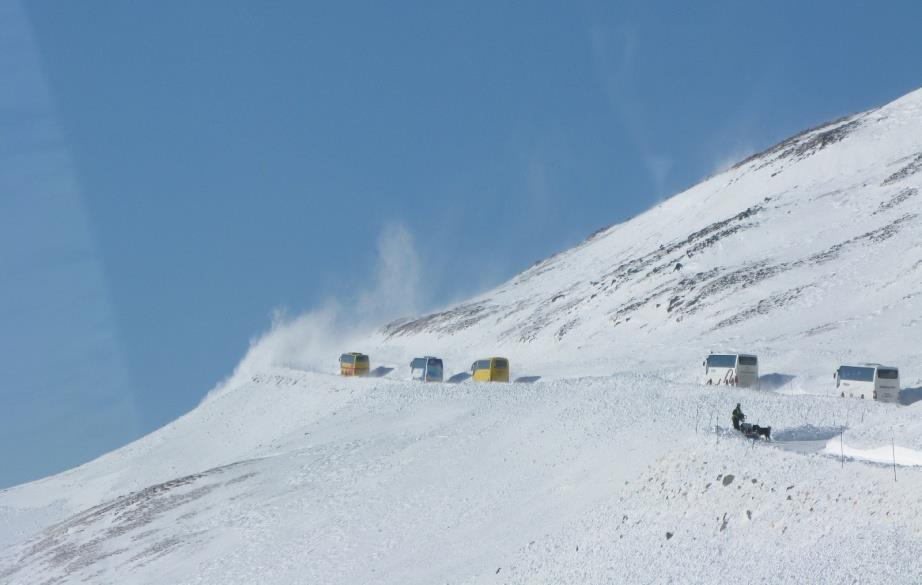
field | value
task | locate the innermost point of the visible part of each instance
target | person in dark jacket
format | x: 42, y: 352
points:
x: 738, y: 416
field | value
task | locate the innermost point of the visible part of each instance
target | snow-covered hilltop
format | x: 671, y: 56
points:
x: 610, y: 467
x: 813, y: 243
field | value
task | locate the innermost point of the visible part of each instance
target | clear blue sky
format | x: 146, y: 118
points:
x: 172, y: 171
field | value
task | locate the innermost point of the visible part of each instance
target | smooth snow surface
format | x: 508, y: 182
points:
x: 611, y: 465
x: 895, y: 454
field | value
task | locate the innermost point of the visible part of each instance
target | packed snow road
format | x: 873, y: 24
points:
x: 298, y: 477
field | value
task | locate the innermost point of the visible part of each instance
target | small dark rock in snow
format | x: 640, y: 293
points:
x: 497, y: 570
x: 668, y: 535
x: 728, y: 480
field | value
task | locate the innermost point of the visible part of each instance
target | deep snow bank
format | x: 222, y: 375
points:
x: 718, y: 512
x: 890, y: 433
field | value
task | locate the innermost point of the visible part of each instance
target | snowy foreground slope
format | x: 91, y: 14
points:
x: 305, y: 478
x: 612, y: 467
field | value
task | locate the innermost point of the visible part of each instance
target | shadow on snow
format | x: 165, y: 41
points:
x: 775, y: 381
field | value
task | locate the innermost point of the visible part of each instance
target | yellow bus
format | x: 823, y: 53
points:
x: 495, y: 369
x: 353, y: 364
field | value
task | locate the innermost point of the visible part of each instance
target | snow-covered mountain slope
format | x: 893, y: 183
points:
x: 307, y: 478
x: 814, y: 244
x: 610, y: 468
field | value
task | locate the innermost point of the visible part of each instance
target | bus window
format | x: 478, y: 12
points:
x: 500, y: 364
x: 887, y: 374
x: 856, y: 374
x: 748, y: 360
x: 721, y: 361
x: 347, y: 359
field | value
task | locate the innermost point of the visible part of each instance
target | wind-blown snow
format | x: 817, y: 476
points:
x: 612, y: 465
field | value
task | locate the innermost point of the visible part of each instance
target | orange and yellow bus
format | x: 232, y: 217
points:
x: 494, y: 369
x: 353, y: 364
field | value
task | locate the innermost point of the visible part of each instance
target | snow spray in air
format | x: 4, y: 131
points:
x: 312, y: 340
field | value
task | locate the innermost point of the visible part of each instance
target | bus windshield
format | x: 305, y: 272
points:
x: 888, y: 374
x: 721, y: 361
x: 856, y: 374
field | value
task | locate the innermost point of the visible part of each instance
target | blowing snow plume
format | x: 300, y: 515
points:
x: 312, y: 340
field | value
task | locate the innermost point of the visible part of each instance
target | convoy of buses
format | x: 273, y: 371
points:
x: 429, y: 369
x: 741, y: 370
x: 874, y: 381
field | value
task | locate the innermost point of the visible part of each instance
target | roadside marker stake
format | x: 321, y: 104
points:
x: 893, y: 451
x: 842, y: 446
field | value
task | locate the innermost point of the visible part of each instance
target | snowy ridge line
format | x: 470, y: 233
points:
x: 745, y: 228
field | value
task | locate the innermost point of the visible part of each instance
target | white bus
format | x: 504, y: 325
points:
x: 426, y: 369
x: 869, y: 381
x: 732, y: 369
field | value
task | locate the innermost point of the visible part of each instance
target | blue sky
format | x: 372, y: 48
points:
x: 171, y: 172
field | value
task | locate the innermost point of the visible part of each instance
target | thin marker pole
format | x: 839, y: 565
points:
x: 716, y: 428
x: 842, y: 446
x: 893, y: 451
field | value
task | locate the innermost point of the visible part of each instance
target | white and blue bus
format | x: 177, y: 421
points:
x: 732, y: 369
x: 869, y: 381
x: 426, y: 369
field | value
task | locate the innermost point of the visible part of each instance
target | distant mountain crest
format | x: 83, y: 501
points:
x: 779, y: 232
